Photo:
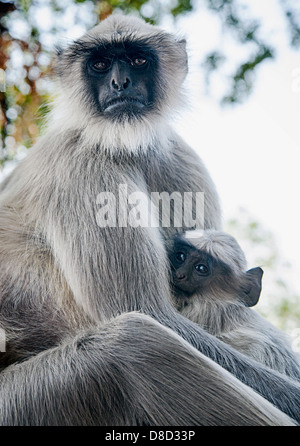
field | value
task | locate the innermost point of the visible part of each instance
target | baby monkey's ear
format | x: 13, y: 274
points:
x: 251, y: 292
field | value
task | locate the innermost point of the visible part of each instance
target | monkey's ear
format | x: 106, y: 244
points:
x: 251, y: 293
x: 182, y: 43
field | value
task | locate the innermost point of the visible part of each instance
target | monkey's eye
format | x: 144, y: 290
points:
x: 180, y: 257
x: 101, y: 65
x: 202, y: 269
x: 139, y: 62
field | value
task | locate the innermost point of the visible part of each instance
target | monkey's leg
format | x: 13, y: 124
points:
x: 280, y: 390
x: 131, y: 371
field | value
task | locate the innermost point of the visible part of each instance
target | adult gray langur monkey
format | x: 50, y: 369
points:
x: 212, y: 288
x: 92, y: 337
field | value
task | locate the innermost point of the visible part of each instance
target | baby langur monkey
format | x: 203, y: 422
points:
x: 212, y: 288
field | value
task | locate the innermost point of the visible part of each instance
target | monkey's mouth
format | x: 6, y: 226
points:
x: 182, y: 287
x: 123, y: 102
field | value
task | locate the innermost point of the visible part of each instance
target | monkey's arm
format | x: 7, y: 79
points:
x: 258, y: 338
x: 259, y: 377
x: 182, y: 170
x: 131, y: 371
x: 198, y: 178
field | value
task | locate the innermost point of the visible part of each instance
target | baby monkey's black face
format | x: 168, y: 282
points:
x: 192, y: 269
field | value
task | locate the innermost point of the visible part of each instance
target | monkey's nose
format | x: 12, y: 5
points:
x: 180, y: 275
x: 120, y: 84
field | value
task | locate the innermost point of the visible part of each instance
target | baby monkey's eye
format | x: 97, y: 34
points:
x: 180, y: 256
x: 202, y: 269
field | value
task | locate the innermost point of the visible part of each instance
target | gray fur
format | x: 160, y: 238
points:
x: 77, y: 351
x: 223, y: 313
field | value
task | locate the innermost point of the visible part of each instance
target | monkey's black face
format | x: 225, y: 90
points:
x: 196, y: 271
x: 122, y: 79
x: 192, y: 269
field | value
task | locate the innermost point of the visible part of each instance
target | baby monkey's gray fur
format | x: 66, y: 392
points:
x: 213, y: 289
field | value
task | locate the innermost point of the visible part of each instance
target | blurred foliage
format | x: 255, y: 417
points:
x: 242, y: 81
x: 279, y: 302
x: 246, y: 31
x: 30, y: 29
x: 293, y: 17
